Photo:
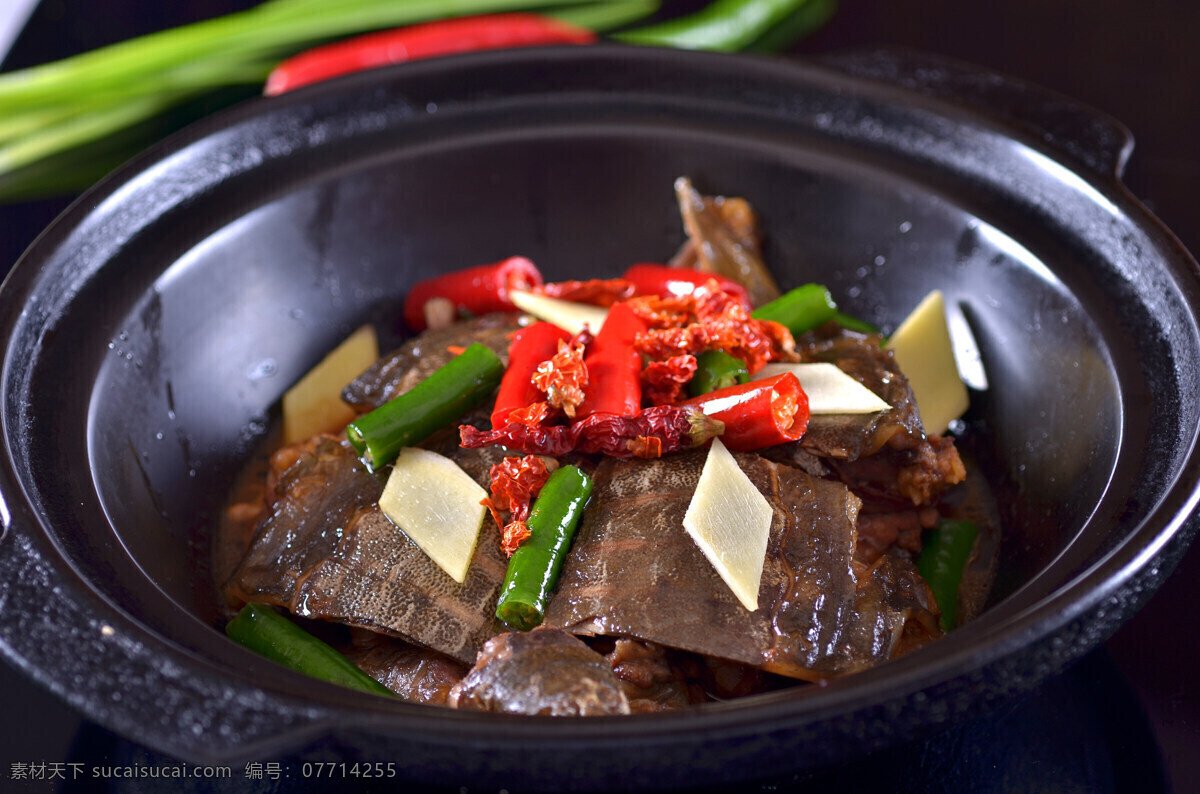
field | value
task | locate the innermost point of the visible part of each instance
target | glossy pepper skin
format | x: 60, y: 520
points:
x: 534, y: 567
x: 530, y: 347
x: 427, y: 40
x: 801, y: 309
x: 943, y: 558
x: 670, y: 282
x: 461, y: 384
x: 757, y: 414
x: 477, y: 290
x: 264, y: 631
x: 614, y: 366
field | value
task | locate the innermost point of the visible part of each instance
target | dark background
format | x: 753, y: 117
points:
x: 1107, y: 723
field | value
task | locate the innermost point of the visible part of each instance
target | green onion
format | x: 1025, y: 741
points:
x: 804, y: 21
x: 534, y: 567
x: 268, y: 633
x: 462, y: 383
x: 601, y: 17
x: 943, y: 557
x: 93, y: 110
x: 723, y: 26
x: 50, y: 111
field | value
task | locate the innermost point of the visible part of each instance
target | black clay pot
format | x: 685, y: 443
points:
x: 150, y: 332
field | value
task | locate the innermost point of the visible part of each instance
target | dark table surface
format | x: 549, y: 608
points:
x: 1127, y: 715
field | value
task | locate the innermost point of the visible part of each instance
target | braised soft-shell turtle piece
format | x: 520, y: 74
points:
x: 417, y: 674
x: 318, y: 495
x: 723, y: 239
x: 326, y: 551
x: 412, y: 362
x: 853, y: 436
x: 541, y: 672
x: 635, y: 572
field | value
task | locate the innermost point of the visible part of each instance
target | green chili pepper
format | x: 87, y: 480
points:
x: 264, y: 631
x: 716, y: 369
x: 724, y: 26
x: 534, y: 568
x: 941, y: 562
x: 804, y: 308
x: 801, y: 309
x: 463, y: 383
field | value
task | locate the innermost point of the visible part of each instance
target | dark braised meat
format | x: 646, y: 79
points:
x: 541, y: 672
x: 635, y: 572
x: 723, y: 238
x: 895, y: 608
x: 885, y: 458
x: 416, y: 674
x: 321, y: 492
x: 413, y: 361
x: 652, y: 681
x: 853, y: 436
x: 879, y: 532
x: 326, y: 551
x: 915, y: 475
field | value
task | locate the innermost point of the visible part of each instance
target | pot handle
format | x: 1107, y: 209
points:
x: 1077, y: 132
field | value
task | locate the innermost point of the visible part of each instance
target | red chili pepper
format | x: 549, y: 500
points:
x: 653, y: 432
x: 664, y: 380
x: 614, y: 366
x: 761, y: 413
x: 413, y: 42
x: 530, y: 347
x: 478, y: 290
x: 666, y: 281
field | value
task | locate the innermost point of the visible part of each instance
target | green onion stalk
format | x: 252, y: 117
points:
x: 65, y: 123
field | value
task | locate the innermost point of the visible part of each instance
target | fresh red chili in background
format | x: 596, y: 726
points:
x: 427, y: 40
x: 614, y: 366
x: 477, y: 290
x: 666, y: 281
x: 530, y: 347
x: 757, y: 414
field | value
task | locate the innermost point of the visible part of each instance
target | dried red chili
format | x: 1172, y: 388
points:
x: 709, y: 319
x: 596, y: 291
x: 515, y: 484
x: 673, y: 427
x: 663, y: 381
x: 535, y: 414
x: 563, y: 376
x: 628, y: 436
